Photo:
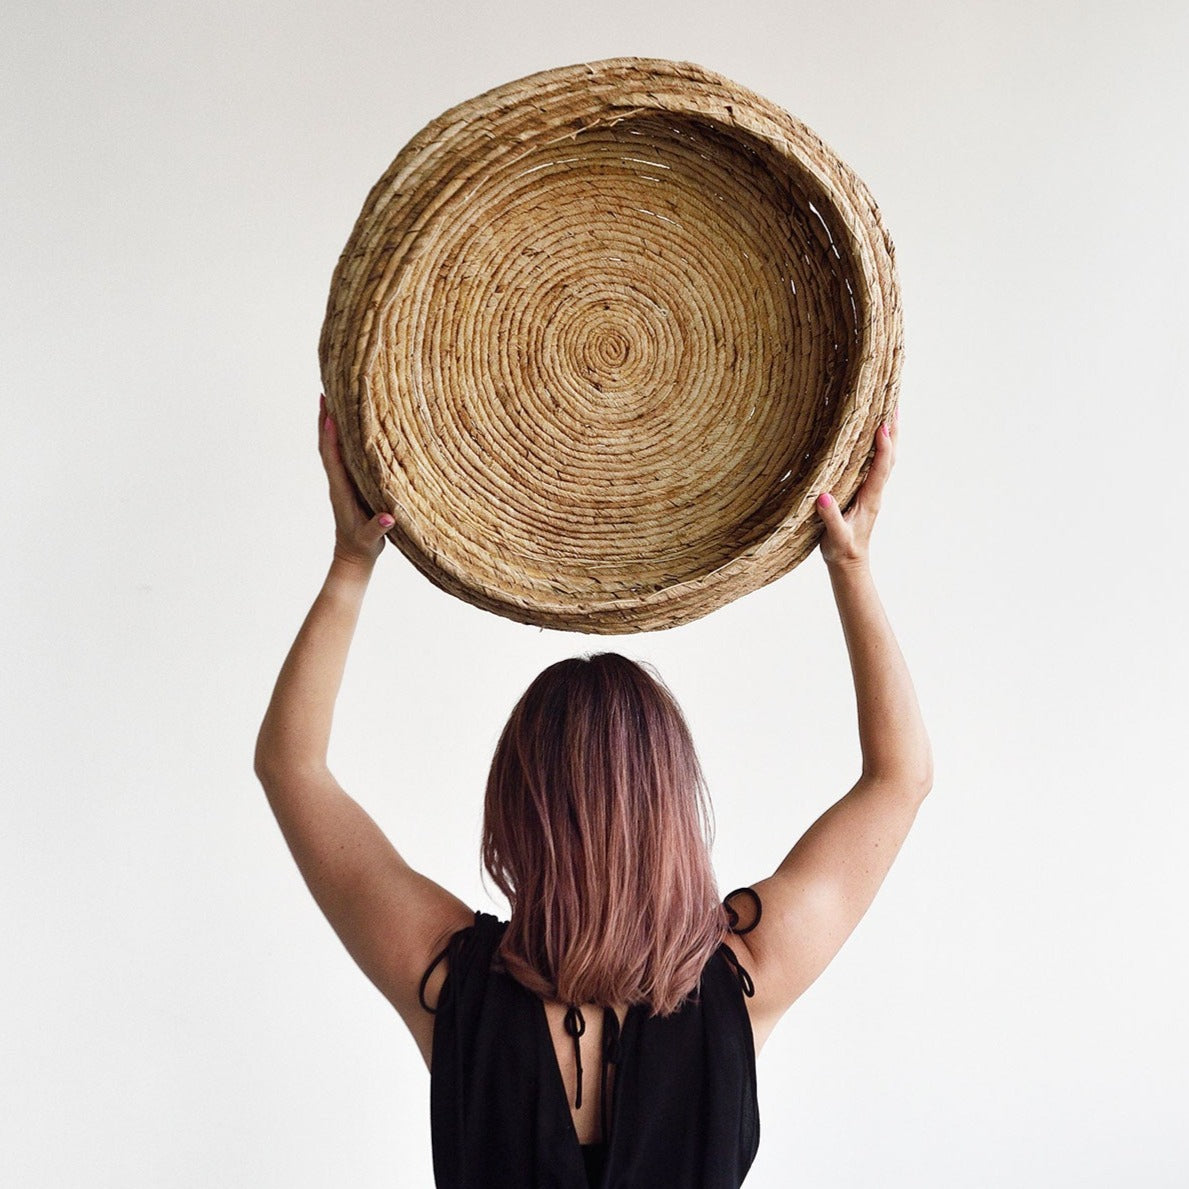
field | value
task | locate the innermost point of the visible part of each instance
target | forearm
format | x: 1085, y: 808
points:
x: 892, y: 733
x: 295, y: 733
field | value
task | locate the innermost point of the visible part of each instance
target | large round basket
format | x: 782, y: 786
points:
x: 601, y: 335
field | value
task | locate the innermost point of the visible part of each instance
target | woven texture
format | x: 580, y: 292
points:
x: 601, y: 335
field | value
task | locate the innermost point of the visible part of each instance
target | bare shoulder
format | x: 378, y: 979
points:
x: 417, y: 981
x: 805, y: 910
x: 391, y: 918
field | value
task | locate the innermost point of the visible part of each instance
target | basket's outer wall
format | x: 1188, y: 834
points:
x: 561, y: 103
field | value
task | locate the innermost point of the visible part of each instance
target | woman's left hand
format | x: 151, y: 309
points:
x: 358, y: 535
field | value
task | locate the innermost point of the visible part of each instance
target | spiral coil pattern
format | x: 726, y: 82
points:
x: 599, y: 337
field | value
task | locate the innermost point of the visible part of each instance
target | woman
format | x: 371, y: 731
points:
x: 607, y: 1033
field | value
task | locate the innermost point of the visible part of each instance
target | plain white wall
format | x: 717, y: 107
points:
x: 177, y: 183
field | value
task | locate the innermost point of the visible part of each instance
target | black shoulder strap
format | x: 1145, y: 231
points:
x: 481, y: 919
x: 733, y: 916
x: 425, y: 978
x: 745, y: 980
x: 733, y: 926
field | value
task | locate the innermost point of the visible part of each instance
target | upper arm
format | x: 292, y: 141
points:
x: 821, y: 890
x: 391, y: 919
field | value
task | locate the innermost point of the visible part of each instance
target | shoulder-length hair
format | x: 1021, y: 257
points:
x: 597, y: 828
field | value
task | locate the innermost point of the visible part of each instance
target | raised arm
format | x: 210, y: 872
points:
x: 390, y: 918
x: 821, y: 890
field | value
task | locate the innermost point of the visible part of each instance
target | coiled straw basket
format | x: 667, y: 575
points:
x: 601, y: 335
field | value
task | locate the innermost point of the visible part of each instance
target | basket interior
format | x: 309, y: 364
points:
x: 610, y: 362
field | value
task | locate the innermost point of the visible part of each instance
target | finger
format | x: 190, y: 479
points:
x: 335, y: 469
x: 328, y: 442
x: 326, y: 428
x: 343, y: 491
x: 379, y: 526
x: 886, y: 445
x: 871, y: 491
x: 341, y: 486
x: 828, y: 509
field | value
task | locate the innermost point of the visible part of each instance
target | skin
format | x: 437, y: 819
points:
x: 394, y: 920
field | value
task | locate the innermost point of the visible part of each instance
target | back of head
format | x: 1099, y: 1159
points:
x: 597, y: 829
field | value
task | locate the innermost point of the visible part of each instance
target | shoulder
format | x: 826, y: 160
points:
x: 457, y: 941
x: 745, y: 910
x: 458, y: 951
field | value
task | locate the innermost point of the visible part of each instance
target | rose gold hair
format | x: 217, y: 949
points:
x: 597, y: 827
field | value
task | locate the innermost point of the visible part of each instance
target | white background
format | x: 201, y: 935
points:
x: 178, y: 181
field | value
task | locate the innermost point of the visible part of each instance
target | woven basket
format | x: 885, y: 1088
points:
x: 601, y: 335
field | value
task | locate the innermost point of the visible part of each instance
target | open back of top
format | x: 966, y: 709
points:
x: 683, y: 1111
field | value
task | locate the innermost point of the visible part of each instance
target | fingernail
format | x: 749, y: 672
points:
x: 824, y: 499
x: 887, y: 433
x: 387, y: 521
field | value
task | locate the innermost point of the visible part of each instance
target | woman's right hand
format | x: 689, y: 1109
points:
x: 846, y: 539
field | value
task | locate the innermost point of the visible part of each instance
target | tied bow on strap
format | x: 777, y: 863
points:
x: 575, y: 1026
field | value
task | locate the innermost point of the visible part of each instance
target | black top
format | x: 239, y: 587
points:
x: 594, y: 1156
x: 682, y: 1112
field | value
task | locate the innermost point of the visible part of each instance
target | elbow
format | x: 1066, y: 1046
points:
x: 914, y: 786
x: 914, y: 772
x: 924, y: 780
x: 279, y: 771
x: 911, y: 787
x: 273, y: 779
x: 263, y: 763
x: 920, y: 775
x: 908, y: 784
x: 272, y: 760
x: 925, y: 784
x: 261, y: 771
x: 927, y: 775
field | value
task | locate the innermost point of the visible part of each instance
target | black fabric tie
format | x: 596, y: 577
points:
x: 433, y: 1011
x: 733, y: 916
x: 611, y: 1051
x: 575, y: 1024
x: 744, y: 978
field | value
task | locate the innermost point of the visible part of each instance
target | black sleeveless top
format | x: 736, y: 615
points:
x: 682, y: 1112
